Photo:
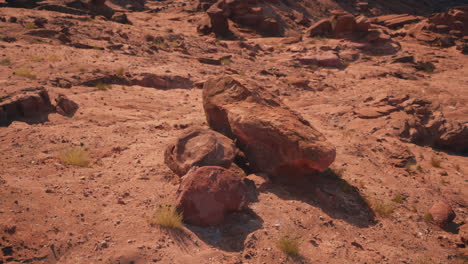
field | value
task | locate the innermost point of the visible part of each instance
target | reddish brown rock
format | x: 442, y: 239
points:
x: 326, y: 59
x: 275, y: 139
x: 463, y: 233
x: 199, y: 147
x: 29, y: 105
x: 65, y: 106
x: 442, y: 214
x: 207, y: 194
x: 218, y: 21
x: 395, y: 21
x: 342, y: 23
x: 320, y: 28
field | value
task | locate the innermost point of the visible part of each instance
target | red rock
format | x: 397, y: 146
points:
x: 275, y: 140
x: 442, y: 214
x: 65, y: 106
x: 218, y: 21
x: 199, y: 147
x: 395, y: 21
x: 31, y: 106
x: 362, y: 24
x: 320, y: 28
x: 374, y: 112
x: 342, y: 23
x: 327, y: 59
x: 270, y: 27
x: 207, y: 194
x: 463, y: 233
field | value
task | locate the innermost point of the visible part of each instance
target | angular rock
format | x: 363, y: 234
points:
x: 342, y: 23
x: 199, y: 147
x: 30, y: 106
x: 65, y: 106
x: 275, y: 140
x: 320, y: 28
x: 208, y: 194
x: 395, y: 21
x: 442, y: 214
x: 218, y: 20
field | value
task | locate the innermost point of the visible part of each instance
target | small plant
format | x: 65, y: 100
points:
x: 435, y: 162
x: 75, y: 156
x: 428, y: 218
x: 5, y: 62
x: 120, y: 72
x: 167, y: 216
x: 419, y: 168
x: 399, y: 198
x: 30, y: 26
x: 346, y: 187
x: 103, y: 86
x: 27, y: 73
x: 226, y: 60
x: 289, y: 245
x: 381, y: 209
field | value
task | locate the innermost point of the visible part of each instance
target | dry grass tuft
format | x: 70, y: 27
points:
x: 435, y: 162
x: 428, y: 218
x: 289, y: 245
x: 27, y: 73
x: 399, y: 198
x: 75, y: 156
x: 382, y: 209
x: 103, y: 86
x: 5, y: 62
x: 167, y: 216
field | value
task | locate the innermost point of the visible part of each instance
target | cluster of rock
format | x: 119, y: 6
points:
x: 444, y: 29
x: 420, y: 122
x: 242, y: 12
x: 33, y: 106
x: 274, y: 139
x: 75, y: 7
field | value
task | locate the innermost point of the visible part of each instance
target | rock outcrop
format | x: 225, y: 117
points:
x: 208, y: 194
x: 275, y: 139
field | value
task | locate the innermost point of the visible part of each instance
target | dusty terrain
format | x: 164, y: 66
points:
x: 138, y: 86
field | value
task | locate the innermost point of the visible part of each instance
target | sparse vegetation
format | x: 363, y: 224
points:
x: 419, y: 168
x: 399, y: 198
x: 289, y: 245
x: 167, y: 216
x: 226, y: 60
x: 30, y: 26
x: 75, y: 156
x: 382, y: 209
x: 27, y: 73
x: 103, y: 86
x: 5, y: 62
x: 428, y: 218
x: 120, y: 72
x: 435, y: 162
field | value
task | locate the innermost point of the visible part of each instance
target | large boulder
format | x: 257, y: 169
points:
x: 275, y: 140
x: 199, y: 147
x: 320, y: 28
x: 207, y: 194
x: 342, y: 23
x: 442, y: 214
x: 218, y: 21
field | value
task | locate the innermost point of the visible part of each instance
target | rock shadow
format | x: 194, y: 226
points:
x: 231, y: 235
x: 181, y: 238
x: 335, y: 196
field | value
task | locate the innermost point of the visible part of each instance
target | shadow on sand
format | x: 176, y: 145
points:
x: 335, y: 196
x: 231, y: 235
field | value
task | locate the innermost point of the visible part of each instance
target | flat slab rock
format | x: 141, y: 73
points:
x: 275, y: 139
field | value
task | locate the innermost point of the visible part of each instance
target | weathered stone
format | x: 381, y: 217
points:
x: 442, y: 214
x: 320, y: 28
x: 275, y: 139
x: 199, y: 147
x: 208, y: 194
